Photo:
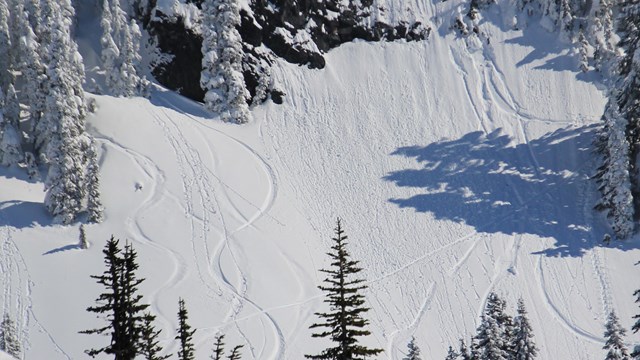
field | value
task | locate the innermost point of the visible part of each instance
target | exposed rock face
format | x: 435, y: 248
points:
x: 298, y: 31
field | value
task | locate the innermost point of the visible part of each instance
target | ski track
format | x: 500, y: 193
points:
x: 189, y: 160
x: 16, y: 273
x: 157, y: 193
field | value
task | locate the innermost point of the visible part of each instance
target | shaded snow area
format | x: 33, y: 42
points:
x: 459, y: 167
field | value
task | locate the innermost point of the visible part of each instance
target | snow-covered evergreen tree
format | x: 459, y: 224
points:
x: 83, y: 243
x: 613, y: 175
x: 523, y: 346
x: 5, y: 46
x: 11, y: 136
x: 94, y: 205
x: 413, y: 351
x: 463, y: 351
x: 221, y: 76
x: 451, y: 354
x: 614, y: 334
x: 120, y: 51
x: 9, y: 342
x: 495, y: 333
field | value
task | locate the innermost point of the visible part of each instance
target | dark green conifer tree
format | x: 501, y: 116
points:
x: 120, y: 304
x: 218, y: 351
x: 149, y: 346
x: 235, y: 353
x: 344, y: 323
x: 185, y: 334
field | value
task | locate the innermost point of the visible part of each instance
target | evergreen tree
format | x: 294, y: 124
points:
x: 185, y: 334
x: 614, y: 334
x: 84, y: 244
x: 120, y: 303
x: 120, y: 51
x: 94, y: 205
x: 413, y: 351
x: 5, y: 46
x: 495, y: 333
x: 10, y: 135
x: 344, y: 321
x: 218, y: 351
x: 235, y: 353
x: 613, y: 175
x: 221, y: 76
x: 451, y: 354
x: 9, y: 342
x: 524, y: 348
x: 464, y: 351
x: 149, y: 347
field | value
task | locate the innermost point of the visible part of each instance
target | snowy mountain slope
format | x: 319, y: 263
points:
x: 459, y: 167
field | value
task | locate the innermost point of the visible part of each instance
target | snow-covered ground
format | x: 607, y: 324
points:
x: 459, y: 167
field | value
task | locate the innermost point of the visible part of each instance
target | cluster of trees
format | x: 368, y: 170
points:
x: 129, y: 323
x: 121, y: 52
x: 619, y: 139
x: 221, y: 77
x: 42, y: 122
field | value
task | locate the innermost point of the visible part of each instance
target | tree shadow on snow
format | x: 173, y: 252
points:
x: 24, y: 214
x: 483, y: 180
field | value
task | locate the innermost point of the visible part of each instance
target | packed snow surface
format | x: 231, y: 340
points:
x: 459, y: 166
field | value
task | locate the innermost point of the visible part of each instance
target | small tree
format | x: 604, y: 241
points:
x: 84, y: 244
x: 235, y: 353
x: 524, y: 348
x: 9, y: 342
x: 218, y: 351
x: 451, y: 354
x: 344, y: 321
x: 464, y: 351
x: 149, y: 347
x: 185, y: 334
x: 614, y: 334
x: 413, y: 352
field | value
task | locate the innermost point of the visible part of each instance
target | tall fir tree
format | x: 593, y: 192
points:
x: 5, y: 46
x: 524, y: 348
x: 413, y: 351
x: 614, y: 334
x: 121, y: 51
x: 221, y: 75
x: 149, y: 347
x: 622, y: 114
x: 120, y: 304
x: 613, y: 175
x: 185, y: 334
x: 344, y: 321
x: 11, y: 152
x: 94, y: 204
x: 9, y: 342
x: 495, y: 333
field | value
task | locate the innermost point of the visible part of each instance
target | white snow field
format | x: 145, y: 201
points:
x: 459, y: 167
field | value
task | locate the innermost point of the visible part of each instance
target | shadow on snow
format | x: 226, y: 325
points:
x: 483, y: 180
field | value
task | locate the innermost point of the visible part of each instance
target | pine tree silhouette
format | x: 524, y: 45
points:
x: 219, y: 348
x: 120, y: 303
x: 185, y: 334
x: 344, y: 321
x: 149, y: 347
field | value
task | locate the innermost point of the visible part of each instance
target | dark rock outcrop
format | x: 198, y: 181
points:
x: 298, y: 31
